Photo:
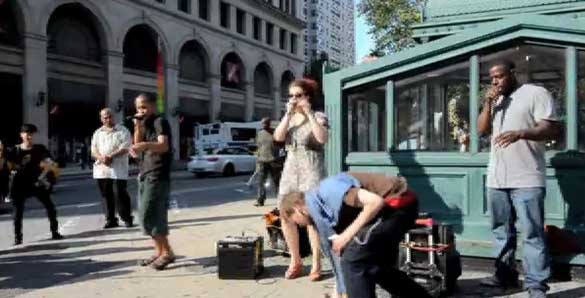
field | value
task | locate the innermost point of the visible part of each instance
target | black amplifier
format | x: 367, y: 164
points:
x: 240, y: 257
x: 429, y: 257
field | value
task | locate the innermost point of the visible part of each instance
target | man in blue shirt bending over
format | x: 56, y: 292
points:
x: 359, y: 230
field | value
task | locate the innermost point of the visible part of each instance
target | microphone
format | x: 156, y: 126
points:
x: 134, y: 117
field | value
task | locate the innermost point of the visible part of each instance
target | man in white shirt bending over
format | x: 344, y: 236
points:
x: 109, y: 148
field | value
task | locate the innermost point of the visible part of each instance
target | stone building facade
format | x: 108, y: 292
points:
x: 62, y: 60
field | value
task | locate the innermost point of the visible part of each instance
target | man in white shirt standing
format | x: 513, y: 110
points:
x: 109, y: 147
x: 519, y: 117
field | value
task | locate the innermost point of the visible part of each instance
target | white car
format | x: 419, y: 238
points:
x: 226, y: 161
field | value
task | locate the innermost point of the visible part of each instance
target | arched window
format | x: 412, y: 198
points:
x: 287, y: 79
x: 192, y: 62
x: 262, y: 79
x: 232, y: 71
x: 72, y: 32
x: 141, y: 49
x: 10, y: 33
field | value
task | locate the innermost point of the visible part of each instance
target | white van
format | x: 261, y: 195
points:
x: 226, y: 134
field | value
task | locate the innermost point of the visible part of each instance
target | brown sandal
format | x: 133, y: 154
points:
x: 148, y: 261
x: 162, y: 262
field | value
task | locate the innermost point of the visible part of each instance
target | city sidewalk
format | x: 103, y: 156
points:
x: 103, y: 264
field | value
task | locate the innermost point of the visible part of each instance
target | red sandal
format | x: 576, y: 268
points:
x: 294, y: 272
x: 315, y: 276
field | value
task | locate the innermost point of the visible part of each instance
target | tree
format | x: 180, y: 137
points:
x: 391, y: 22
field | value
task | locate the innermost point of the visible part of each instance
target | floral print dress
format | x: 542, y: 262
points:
x: 304, y: 166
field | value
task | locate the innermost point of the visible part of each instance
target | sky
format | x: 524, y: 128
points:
x: 363, y: 41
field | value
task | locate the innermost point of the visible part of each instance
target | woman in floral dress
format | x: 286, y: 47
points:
x: 305, y: 133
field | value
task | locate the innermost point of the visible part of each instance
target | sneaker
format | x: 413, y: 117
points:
x: 128, y: 224
x: 17, y: 241
x: 495, y: 282
x: 111, y: 225
x: 57, y: 236
x: 258, y: 204
x: 536, y: 293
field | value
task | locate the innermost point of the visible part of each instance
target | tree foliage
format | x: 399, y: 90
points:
x: 391, y: 22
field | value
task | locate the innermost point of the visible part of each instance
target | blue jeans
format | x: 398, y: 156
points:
x: 527, y: 205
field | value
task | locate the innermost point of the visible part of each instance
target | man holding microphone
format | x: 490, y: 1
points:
x: 152, y: 146
x: 519, y: 117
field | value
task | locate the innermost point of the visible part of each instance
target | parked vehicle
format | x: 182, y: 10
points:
x: 225, y: 134
x: 226, y: 161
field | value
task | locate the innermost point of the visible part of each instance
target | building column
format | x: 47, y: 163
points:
x: 195, y: 8
x: 214, y: 97
x: 213, y: 12
x: 249, y: 101
x: 249, y: 25
x: 34, y: 94
x: 277, y: 105
x: 115, y: 70
x: 172, y: 4
x: 233, y: 18
x: 172, y: 105
x: 262, y: 30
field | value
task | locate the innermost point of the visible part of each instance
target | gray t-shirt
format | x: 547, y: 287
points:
x: 522, y: 163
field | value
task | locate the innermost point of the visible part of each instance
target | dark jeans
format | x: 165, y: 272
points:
x: 18, y: 199
x: 373, y: 262
x: 265, y: 168
x: 118, y: 199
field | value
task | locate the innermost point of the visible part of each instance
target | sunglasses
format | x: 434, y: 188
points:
x: 298, y: 95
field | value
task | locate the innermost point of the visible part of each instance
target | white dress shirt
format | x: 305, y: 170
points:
x: 106, y: 141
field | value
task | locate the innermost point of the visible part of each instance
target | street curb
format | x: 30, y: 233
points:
x: 133, y: 172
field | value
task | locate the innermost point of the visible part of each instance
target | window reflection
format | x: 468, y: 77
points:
x: 581, y: 103
x: 366, y: 119
x: 432, y: 110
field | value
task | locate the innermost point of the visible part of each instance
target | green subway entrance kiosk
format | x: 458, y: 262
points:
x: 414, y: 113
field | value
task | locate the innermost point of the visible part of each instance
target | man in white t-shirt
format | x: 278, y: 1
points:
x: 109, y: 147
x: 520, y: 118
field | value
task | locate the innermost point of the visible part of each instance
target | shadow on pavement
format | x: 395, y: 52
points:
x: 174, y: 226
x: 108, y: 232
x: 38, y: 247
x: 573, y: 293
x: 216, y: 218
x: 29, y: 272
x: 472, y: 288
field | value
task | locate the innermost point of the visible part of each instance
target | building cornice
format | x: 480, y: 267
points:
x: 35, y: 36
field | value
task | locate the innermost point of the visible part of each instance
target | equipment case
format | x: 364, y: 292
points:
x: 240, y: 257
x: 428, y: 256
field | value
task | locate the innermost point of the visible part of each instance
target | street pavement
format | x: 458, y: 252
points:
x: 92, y: 262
